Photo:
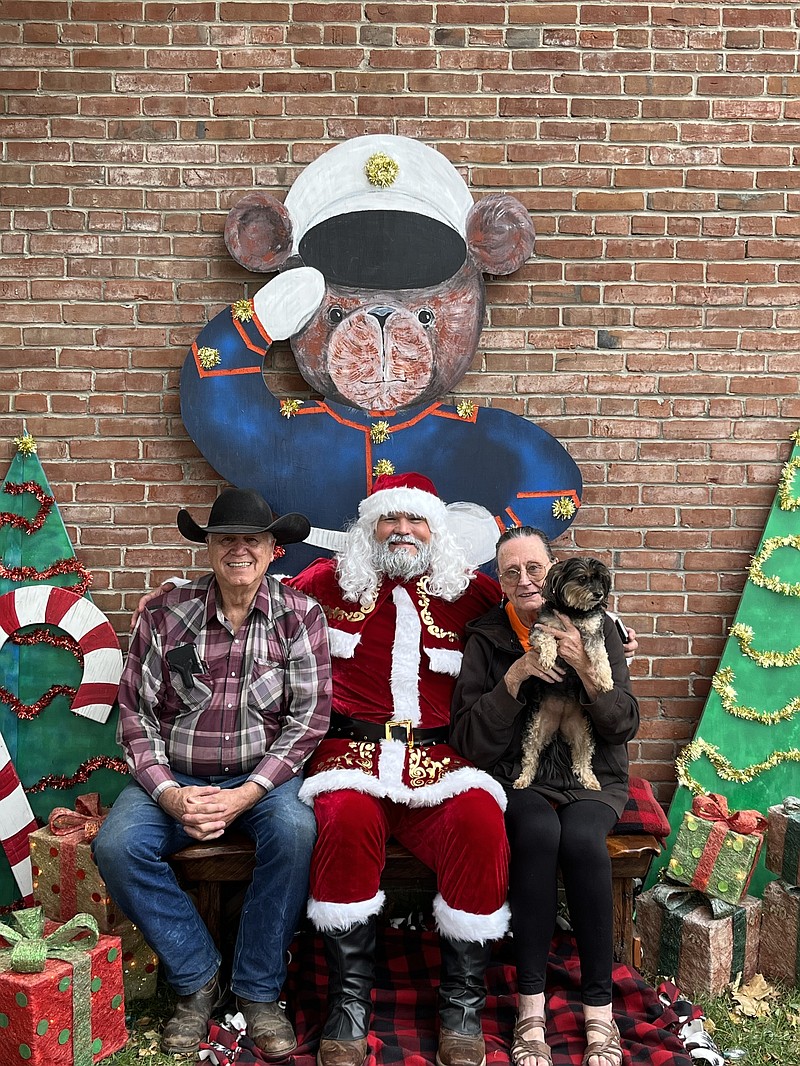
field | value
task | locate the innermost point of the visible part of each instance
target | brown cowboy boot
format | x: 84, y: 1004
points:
x: 462, y: 994
x: 351, y: 974
x: 268, y: 1028
x: 189, y: 1022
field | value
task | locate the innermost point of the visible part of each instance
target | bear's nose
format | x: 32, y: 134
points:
x: 381, y: 313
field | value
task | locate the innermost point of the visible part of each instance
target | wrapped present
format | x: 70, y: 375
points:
x: 779, y: 953
x: 61, y: 997
x: 66, y: 882
x: 783, y: 840
x: 715, y: 850
x: 139, y: 963
x: 65, y: 879
x: 701, y: 944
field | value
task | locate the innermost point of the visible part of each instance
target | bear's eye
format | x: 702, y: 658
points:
x: 335, y: 314
x: 426, y: 316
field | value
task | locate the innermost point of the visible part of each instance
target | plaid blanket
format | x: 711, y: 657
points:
x: 404, y: 1021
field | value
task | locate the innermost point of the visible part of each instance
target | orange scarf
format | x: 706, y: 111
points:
x: 519, y: 627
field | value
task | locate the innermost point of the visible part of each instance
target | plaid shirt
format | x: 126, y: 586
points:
x: 259, y: 705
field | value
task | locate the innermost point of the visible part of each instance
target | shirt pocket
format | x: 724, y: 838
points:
x: 266, y: 685
x: 192, y: 698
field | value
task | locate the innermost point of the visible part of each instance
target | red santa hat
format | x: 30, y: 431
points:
x: 410, y: 493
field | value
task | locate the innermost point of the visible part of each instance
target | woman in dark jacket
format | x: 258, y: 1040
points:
x: 554, y: 823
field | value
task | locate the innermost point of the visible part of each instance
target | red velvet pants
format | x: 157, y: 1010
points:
x: 462, y: 839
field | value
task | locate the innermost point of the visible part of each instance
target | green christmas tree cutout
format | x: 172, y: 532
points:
x: 56, y: 754
x: 747, y: 744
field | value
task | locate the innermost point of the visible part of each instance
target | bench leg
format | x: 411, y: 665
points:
x: 622, y: 896
x: 209, y: 907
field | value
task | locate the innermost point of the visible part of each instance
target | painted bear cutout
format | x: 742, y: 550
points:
x: 379, y: 253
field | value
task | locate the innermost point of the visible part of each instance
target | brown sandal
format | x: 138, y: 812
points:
x: 521, y: 1047
x: 608, y: 1045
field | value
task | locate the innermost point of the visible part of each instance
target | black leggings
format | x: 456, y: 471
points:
x: 572, y: 837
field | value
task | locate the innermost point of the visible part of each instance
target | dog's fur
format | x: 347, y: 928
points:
x: 578, y: 588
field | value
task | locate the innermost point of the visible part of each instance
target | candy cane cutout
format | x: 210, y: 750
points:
x: 88, y: 627
x: 16, y: 824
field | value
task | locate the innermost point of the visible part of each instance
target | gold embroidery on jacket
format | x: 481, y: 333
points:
x: 359, y: 755
x: 423, y: 770
x: 426, y: 616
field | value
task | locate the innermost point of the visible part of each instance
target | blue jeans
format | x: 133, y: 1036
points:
x: 130, y: 850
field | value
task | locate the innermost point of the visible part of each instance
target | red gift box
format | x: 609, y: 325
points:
x: 61, y: 996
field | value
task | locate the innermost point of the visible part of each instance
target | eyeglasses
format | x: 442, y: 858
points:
x: 513, y: 575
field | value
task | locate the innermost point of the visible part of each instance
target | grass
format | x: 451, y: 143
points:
x: 773, y: 1036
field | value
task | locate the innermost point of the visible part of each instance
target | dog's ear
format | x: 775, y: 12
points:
x: 551, y: 581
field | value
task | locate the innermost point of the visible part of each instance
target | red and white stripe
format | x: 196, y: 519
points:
x: 88, y: 627
x: 16, y: 824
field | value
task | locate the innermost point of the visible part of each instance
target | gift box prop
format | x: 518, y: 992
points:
x: 66, y: 882
x: 700, y: 943
x: 783, y: 840
x: 716, y: 851
x: 61, y: 997
x: 779, y: 952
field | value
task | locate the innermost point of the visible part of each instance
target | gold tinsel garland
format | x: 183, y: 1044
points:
x: 744, y: 635
x: 465, y: 409
x: 724, y: 768
x: 722, y: 683
x: 788, y: 502
x: 773, y: 583
x: 379, y: 432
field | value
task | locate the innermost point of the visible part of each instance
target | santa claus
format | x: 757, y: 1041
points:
x: 397, y: 598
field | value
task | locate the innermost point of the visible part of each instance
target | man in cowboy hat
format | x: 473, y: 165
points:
x: 225, y: 693
x: 398, y: 598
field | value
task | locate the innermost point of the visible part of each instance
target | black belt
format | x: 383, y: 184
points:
x: 353, y: 729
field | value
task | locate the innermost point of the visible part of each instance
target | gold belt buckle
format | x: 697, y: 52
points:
x: 406, y: 724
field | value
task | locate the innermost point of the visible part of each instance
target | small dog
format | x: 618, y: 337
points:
x: 578, y: 588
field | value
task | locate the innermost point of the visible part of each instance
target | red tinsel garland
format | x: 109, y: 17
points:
x: 18, y: 521
x: 63, y: 566
x: 28, y: 711
x: 82, y: 774
x: 44, y: 636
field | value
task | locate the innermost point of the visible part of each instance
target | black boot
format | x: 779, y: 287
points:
x: 351, y: 974
x: 462, y: 995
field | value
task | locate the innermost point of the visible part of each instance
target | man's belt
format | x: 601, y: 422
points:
x: 354, y: 729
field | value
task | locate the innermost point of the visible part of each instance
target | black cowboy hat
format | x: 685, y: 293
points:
x: 244, y: 511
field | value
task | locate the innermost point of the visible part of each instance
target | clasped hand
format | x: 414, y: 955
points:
x: 206, y: 811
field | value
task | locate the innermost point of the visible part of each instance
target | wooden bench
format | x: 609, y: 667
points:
x: 204, y: 868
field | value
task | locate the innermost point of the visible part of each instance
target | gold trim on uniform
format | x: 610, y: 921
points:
x: 338, y: 615
x: 422, y: 770
x: 360, y: 755
x: 426, y: 616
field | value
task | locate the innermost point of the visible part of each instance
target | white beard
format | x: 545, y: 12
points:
x: 401, y: 564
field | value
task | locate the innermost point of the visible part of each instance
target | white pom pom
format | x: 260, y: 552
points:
x: 474, y: 529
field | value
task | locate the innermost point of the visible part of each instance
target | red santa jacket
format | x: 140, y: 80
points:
x: 395, y: 660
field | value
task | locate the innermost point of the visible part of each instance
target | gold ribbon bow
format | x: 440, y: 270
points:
x: 714, y: 808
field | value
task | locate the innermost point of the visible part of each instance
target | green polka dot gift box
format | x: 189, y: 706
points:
x: 61, y: 994
x: 715, y: 851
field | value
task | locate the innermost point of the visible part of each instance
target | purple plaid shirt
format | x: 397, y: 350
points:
x: 259, y: 705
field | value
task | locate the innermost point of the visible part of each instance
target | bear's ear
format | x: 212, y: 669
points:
x: 258, y: 232
x: 500, y: 234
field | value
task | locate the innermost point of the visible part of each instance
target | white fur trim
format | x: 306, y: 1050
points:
x: 404, y: 681
x: 343, y: 645
x: 405, y: 501
x: 339, y: 917
x: 389, y: 785
x: 444, y: 660
x: 463, y: 925
x: 391, y: 763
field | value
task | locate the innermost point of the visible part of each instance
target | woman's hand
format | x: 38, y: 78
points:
x: 572, y: 651
x: 529, y: 665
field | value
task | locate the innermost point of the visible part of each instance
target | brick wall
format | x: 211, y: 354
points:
x: 655, y: 332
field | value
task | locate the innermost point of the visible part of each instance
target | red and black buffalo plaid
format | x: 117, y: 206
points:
x: 404, y: 1021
